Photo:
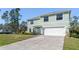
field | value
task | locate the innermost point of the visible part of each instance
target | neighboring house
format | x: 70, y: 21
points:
x: 1, y: 30
x: 55, y: 23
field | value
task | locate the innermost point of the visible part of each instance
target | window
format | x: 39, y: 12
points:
x: 45, y: 18
x: 59, y: 16
x: 30, y: 30
x: 31, y: 22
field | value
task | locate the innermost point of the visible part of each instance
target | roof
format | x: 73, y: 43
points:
x: 49, y: 14
x: 34, y: 18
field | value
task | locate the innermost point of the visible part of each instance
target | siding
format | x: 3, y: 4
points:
x: 52, y: 22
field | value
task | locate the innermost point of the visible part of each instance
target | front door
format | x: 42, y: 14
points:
x: 37, y: 30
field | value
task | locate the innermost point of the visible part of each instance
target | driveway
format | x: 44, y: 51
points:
x: 37, y: 43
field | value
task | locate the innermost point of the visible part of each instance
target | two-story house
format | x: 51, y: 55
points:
x: 54, y: 23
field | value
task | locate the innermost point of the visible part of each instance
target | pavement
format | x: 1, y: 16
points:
x: 37, y: 43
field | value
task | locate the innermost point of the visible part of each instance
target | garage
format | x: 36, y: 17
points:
x: 55, y: 31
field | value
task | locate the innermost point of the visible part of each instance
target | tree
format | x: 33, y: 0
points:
x: 1, y: 26
x: 5, y: 16
x: 74, y: 23
x: 74, y: 29
x: 23, y: 27
x: 14, y: 19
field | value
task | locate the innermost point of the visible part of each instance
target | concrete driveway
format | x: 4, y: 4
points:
x: 37, y: 43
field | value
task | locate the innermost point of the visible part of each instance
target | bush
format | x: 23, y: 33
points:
x: 74, y: 34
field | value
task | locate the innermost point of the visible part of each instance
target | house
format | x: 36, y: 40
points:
x: 54, y: 23
x: 1, y: 30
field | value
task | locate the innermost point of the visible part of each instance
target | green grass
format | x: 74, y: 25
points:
x: 71, y: 43
x: 11, y: 38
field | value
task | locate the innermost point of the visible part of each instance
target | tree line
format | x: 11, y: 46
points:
x: 12, y: 21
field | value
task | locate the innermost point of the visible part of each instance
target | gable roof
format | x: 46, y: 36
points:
x: 49, y: 14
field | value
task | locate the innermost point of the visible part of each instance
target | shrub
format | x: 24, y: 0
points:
x: 74, y: 33
x: 26, y: 33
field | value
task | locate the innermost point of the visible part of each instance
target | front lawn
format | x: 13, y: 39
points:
x: 11, y: 38
x: 71, y: 43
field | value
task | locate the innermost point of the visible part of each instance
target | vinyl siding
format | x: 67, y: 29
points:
x: 52, y: 22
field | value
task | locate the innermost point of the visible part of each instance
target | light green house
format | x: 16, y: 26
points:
x: 54, y: 23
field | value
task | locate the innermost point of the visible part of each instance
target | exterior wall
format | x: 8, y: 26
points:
x: 57, y: 23
x: 52, y: 22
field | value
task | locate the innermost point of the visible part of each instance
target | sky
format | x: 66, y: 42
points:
x: 28, y: 13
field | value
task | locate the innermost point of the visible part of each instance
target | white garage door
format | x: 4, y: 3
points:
x: 55, y: 31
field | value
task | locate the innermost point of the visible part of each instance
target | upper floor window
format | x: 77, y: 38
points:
x: 45, y: 18
x: 31, y: 22
x: 59, y: 16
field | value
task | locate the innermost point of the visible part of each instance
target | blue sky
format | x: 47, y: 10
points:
x: 32, y: 12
